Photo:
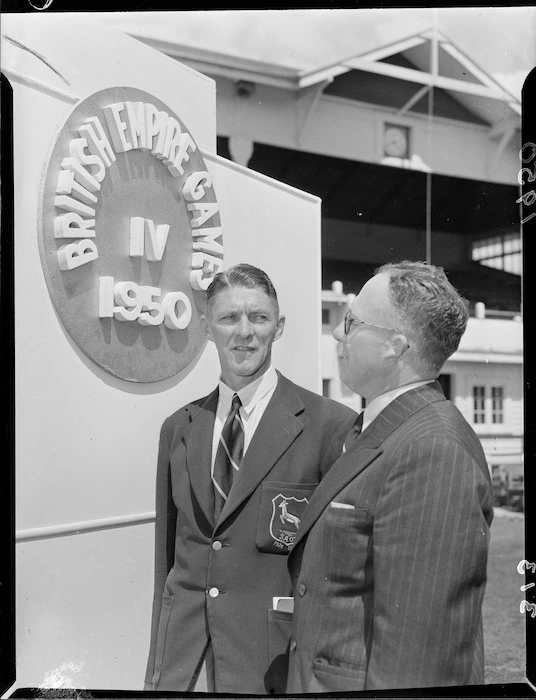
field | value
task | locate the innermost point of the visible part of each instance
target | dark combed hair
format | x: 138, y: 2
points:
x: 432, y: 311
x: 242, y: 275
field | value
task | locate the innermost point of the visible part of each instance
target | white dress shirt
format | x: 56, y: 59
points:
x: 254, y: 397
x: 376, y: 406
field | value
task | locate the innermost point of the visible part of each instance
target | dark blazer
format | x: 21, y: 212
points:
x: 219, y: 579
x: 388, y: 592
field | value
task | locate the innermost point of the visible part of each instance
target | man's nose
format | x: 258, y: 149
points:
x: 338, y: 331
x: 244, y: 328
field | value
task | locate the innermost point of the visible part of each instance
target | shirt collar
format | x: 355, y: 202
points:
x: 251, y: 394
x: 376, y: 406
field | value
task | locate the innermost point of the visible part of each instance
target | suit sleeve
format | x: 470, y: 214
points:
x: 165, y: 525
x: 430, y: 544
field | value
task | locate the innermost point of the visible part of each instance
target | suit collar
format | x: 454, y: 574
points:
x: 365, y: 449
x: 377, y: 405
x: 198, y: 441
x: 288, y: 395
x: 399, y: 410
x: 277, y: 430
x: 250, y: 395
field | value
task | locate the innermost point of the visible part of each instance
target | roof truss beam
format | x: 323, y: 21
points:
x: 417, y: 76
x: 314, y: 99
x: 335, y: 69
x: 396, y: 47
x: 413, y: 100
x: 479, y: 74
x: 501, y: 146
x: 502, y: 126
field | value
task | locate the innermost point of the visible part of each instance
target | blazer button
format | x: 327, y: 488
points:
x: 214, y: 593
x: 293, y: 646
x: 302, y: 589
x: 217, y: 545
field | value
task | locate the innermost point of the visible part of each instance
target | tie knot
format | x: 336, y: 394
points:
x: 236, y: 403
x: 358, y: 425
x: 354, y: 433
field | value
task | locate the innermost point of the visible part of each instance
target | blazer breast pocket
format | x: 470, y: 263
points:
x: 280, y: 515
x: 345, y: 536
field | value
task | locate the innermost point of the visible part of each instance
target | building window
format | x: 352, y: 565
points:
x: 326, y: 387
x: 500, y: 252
x: 497, y: 404
x: 479, y: 411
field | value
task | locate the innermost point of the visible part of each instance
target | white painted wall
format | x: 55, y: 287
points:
x: 80, y: 57
x: 492, y: 336
x: 86, y: 441
x: 348, y: 129
x: 490, y: 373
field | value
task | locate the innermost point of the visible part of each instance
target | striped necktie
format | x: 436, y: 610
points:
x: 354, y: 433
x: 228, y: 456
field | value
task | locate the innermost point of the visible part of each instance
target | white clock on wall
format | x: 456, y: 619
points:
x: 396, y: 141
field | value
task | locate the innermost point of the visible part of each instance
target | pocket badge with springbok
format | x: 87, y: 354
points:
x: 287, y: 512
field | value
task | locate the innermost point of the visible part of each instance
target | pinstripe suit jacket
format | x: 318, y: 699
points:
x: 388, y: 591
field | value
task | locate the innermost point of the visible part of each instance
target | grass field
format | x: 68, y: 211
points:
x: 504, y: 625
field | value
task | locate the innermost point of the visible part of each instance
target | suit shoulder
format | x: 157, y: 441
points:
x: 443, y: 418
x: 441, y: 422
x: 328, y: 406
x: 321, y: 404
x: 185, y: 414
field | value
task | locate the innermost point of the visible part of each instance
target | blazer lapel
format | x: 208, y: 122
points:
x: 277, y: 430
x: 198, y: 440
x: 365, y: 449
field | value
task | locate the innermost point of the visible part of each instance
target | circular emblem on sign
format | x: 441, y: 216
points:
x: 130, y: 234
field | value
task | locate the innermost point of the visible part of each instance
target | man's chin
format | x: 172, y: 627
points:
x: 246, y: 370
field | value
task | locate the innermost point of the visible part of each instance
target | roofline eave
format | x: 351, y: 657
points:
x: 224, y: 65
x: 235, y: 69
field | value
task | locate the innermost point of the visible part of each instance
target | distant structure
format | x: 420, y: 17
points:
x: 414, y: 151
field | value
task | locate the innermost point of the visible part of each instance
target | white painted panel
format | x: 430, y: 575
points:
x: 83, y: 608
x: 280, y: 232
x: 88, y: 437
x: 493, y: 335
x: 86, y: 441
x: 90, y: 56
x: 488, y: 374
x: 346, y: 129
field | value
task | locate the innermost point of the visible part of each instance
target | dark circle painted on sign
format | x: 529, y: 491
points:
x: 130, y: 234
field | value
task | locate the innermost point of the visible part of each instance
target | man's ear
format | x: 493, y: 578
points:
x: 398, y: 346
x: 206, y: 326
x: 280, y: 328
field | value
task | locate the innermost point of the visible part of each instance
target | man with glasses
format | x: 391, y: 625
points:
x: 389, y: 564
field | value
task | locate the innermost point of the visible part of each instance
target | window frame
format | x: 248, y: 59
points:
x: 479, y: 409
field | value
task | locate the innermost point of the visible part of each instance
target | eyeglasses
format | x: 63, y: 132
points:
x: 349, y: 319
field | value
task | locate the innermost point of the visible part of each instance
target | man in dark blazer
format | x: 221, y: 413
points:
x: 389, y: 564
x: 216, y: 575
